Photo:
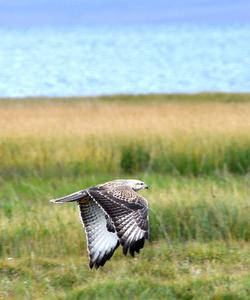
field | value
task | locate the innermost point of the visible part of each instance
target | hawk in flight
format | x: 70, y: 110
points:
x: 113, y: 214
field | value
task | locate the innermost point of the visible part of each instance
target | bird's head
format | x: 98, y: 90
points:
x: 136, y: 185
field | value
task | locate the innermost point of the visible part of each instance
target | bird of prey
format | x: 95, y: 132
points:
x: 113, y: 214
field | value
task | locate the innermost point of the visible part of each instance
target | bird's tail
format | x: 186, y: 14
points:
x: 71, y: 198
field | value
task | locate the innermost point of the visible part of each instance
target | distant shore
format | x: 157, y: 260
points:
x: 183, y: 97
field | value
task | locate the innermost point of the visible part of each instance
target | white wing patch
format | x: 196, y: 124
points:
x: 131, y: 236
x: 130, y: 218
x: 101, y: 235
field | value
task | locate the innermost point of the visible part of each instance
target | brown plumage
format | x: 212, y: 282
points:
x: 113, y: 214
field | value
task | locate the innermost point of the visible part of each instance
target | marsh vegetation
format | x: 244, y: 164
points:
x: 194, y: 152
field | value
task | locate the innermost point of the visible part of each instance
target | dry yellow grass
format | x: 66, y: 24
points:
x: 81, y: 119
x: 186, y: 137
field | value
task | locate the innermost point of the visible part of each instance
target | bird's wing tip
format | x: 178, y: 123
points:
x: 55, y: 201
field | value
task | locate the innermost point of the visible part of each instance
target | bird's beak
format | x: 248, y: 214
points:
x: 146, y: 187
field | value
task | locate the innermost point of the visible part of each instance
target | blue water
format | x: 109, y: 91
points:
x: 124, y: 59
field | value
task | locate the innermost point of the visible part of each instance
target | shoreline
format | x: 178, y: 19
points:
x: 196, y: 97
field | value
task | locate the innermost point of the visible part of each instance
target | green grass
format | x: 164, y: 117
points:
x: 119, y: 155
x: 199, y: 200
x: 182, y: 209
x: 198, y: 249
x: 184, y: 271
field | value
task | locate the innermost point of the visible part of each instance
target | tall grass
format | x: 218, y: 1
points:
x: 184, y: 155
x: 44, y: 147
x: 199, y: 223
x: 205, y: 209
x: 188, y: 138
x: 190, y: 271
x: 198, y: 248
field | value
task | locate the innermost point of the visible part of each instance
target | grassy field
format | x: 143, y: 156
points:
x: 194, y: 152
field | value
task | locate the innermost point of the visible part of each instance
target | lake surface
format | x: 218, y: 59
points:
x: 159, y: 58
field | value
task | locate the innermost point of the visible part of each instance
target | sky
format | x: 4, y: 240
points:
x: 77, y: 12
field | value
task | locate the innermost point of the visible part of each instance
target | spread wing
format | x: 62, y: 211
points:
x: 101, y: 234
x: 129, y: 213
